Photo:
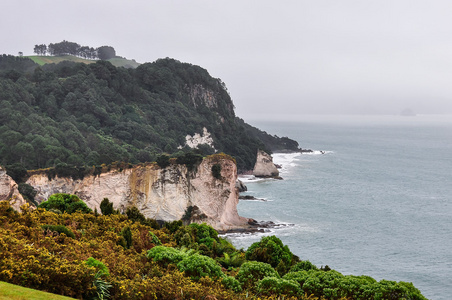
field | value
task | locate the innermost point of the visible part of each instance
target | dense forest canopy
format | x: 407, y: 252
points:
x: 78, y: 114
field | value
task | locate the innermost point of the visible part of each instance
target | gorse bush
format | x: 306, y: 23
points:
x: 78, y: 266
x: 126, y: 234
x: 58, y: 229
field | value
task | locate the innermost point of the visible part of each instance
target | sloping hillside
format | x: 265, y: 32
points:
x: 91, y: 114
x: 15, y: 292
x: 117, y: 61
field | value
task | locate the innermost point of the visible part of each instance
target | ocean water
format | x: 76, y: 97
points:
x: 377, y: 203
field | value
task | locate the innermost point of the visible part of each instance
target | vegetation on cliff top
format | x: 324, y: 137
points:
x: 91, y: 114
x: 92, y: 256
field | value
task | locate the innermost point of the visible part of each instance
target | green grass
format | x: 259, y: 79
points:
x: 117, y: 62
x: 15, y: 292
x: 123, y: 62
x: 42, y: 60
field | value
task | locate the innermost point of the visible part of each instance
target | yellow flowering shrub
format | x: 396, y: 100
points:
x: 53, y: 262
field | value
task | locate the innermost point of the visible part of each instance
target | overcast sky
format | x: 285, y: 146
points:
x: 276, y: 57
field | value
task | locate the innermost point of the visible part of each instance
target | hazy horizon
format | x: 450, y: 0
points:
x: 295, y: 58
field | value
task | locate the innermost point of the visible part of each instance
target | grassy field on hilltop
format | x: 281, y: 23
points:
x: 42, y: 60
x: 117, y: 61
x: 122, y: 62
x: 16, y: 292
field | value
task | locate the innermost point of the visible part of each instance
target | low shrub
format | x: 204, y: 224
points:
x: 333, y: 285
x: 100, y: 267
x: 234, y: 260
x: 173, y: 226
x: 270, y: 250
x: 154, y: 239
x: 216, y: 171
x: 65, y: 203
x: 58, y: 228
x: 166, y: 255
x: 253, y: 271
x: 232, y: 284
x: 106, y: 207
x: 163, y: 161
x: 274, y: 285
x: 304, y: 265
x: 197, y: 266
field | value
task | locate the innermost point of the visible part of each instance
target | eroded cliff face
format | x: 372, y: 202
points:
x: 9, y: 191
x: 163, y: 194
x: 264, y: 166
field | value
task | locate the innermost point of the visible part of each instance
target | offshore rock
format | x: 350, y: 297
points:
x: 241, y: 186
x: 162, y: 194
x: 264, y: 166
x: 9, y: 191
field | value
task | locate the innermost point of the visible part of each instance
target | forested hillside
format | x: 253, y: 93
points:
x: 78, y: 114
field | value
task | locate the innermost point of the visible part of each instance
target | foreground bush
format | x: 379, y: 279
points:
x: 94, y: 263
x: 65, y: 203
x: 197, y: 266
x: 333, y: 285
x: 166, y: 255
x: 273, y: 285
x: 253, y: 271
x: 271, y: 250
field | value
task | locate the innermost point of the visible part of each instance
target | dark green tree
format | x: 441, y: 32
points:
x: 106, y: 207
x: 270, y: 250
x: 65, y: 203
x: 106, y: 52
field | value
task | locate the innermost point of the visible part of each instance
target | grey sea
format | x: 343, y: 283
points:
x: 378, y: 202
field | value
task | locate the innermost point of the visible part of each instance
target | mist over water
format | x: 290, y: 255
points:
x: 377, y: 203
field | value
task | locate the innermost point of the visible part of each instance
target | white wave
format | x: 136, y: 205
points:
x: 285, y: 158
x: 245, y: 239
x: 249, y: 178
x: 317, y: 152
x: 257, y: 200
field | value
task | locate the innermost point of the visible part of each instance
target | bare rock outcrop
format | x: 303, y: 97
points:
x: 9, y: 190
x: 240, y: 186
x: 264, y: 166
x: 163, y: 194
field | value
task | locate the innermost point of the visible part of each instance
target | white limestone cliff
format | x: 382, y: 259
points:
x: 9, y: 191
x: 264, y: 166
x: 199, y: 139
x: 163, y: 194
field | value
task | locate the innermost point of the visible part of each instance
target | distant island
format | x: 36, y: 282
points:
x: 407, y: 112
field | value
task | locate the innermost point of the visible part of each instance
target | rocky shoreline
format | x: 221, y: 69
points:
x: 249, y: 197
x: 255, y: 227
